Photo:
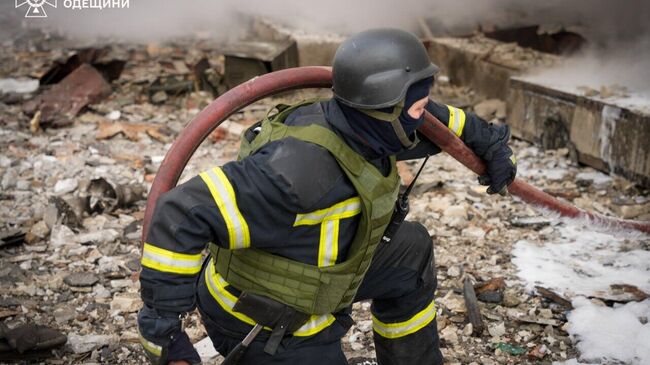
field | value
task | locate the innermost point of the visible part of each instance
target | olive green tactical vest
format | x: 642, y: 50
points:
x: 308, y: 288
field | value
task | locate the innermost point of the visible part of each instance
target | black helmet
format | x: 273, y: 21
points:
x: 373, y: 69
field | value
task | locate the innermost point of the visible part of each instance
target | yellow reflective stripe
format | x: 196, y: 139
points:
x: 328, y: 247
x: 150, y: 346
x: 345, y: 209
x: 224, y: 195
x: 401, y: 329
x: 217, y: 287
x: 456, y: 120
x: 513, y: 159
x: 159, y: 259
x: 315, y: 324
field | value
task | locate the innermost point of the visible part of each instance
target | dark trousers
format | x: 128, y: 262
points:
x: 400, y: 282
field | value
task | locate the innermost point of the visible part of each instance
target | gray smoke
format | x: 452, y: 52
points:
x: 618, y: 31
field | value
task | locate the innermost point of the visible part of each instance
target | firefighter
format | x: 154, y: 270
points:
x: 298, y: 222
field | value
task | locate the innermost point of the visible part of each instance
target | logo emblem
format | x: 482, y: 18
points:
x: 35, y: 8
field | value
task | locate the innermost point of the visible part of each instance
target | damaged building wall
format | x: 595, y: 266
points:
x: 605, y: 136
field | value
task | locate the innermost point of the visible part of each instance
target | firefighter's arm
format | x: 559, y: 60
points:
x: 171, y: 260
x: 486, y: 140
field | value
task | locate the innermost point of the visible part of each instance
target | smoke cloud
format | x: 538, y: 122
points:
x: 618, y: 32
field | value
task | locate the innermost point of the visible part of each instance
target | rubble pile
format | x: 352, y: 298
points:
x: 73, y: 191
x: 510, y: 54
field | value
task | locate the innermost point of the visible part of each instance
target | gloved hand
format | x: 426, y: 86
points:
x: 501, y: 171
x: 163, y: 339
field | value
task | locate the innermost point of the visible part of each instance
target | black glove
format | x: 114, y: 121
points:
x: 163, y: 339
x: 501, y: 171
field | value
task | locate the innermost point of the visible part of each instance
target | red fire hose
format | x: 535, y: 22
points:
x: 319, y: 77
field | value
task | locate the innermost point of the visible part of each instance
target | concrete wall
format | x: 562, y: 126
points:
x: 603, y: 135
x: 313, y: 49
x: 469, y: 68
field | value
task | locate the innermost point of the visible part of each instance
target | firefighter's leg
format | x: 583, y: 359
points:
x: 401, y: 282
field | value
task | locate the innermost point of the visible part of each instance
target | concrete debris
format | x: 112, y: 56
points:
x: 81, y: 279
x: 77, y: 195
x: 126, y: 303
x: 64, y: 314
x: 87, y: 343
x: 19, y: 86
x: 65, y: 186
x: 61, y: 235
x: 39, y: 231
x: 497, y: 330
x: 98, y: 237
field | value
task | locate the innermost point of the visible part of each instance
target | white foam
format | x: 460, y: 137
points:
x: 585, y: 260
x: 606, y: 335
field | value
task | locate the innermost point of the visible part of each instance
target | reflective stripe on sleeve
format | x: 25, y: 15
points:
x: 217, y: 287
x: 456, y: 120
x: 345, y: 209
x: 159, y: 259
x: 401, y: 329
x: 150, y: 346
x: 224, y: 196
x: 328, y: 247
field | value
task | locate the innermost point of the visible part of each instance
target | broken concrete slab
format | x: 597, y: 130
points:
x: 603, y: 134
x: 245, y: 60
x: 482, y: 63
x: 313, y: 49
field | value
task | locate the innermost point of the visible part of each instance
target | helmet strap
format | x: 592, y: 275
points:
x: 385, y: 117
x: 393, y: 119
x: 401, y: 135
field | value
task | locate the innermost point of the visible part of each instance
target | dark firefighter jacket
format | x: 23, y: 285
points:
x: 290, y: 198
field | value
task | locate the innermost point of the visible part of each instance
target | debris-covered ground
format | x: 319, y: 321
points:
x: 77, y: 160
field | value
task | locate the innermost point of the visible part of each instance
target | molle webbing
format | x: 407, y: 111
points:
x: 308, y: 288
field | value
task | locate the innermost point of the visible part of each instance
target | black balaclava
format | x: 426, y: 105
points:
x: 379, y: 135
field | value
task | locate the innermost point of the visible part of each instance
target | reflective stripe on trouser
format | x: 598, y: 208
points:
x: 401, y: 283
x: 412, y: 325
x: 217, y: 287
x: 160, y: 259
x: 150, y: 346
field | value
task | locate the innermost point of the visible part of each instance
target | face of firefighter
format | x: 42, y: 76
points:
x: 417, y: 109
